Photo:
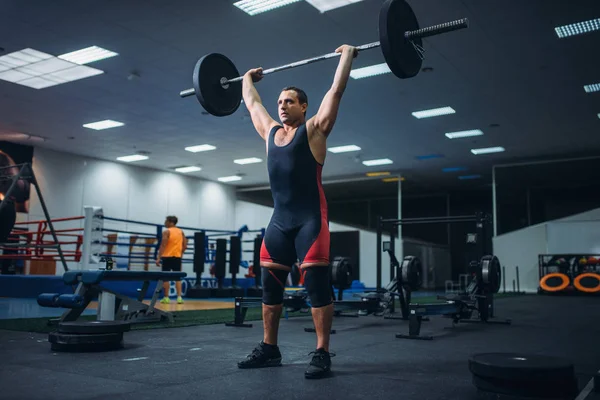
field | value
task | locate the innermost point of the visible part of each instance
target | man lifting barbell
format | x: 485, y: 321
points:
x: 298, y: 229
x: 296, y: 154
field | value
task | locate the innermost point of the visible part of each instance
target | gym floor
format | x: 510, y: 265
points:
x: 200, y: 362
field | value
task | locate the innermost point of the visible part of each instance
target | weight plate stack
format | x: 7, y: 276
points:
x: 524, y: 375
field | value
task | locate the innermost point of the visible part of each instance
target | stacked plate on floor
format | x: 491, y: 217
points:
x: 81, y: 336
x: 523, y: 376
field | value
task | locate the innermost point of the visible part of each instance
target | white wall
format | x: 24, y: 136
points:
x: 521, y: 248
x: 578, y: 233
x: 126, y: 191
x: 257, y: 216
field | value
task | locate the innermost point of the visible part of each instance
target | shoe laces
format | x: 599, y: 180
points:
x: 256, y: 353
x: 321, y: 354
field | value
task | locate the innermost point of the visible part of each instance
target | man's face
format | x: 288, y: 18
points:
x: 289, y: 108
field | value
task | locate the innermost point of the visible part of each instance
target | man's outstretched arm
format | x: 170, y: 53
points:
x: 325, y: 119
x: 260, y: 117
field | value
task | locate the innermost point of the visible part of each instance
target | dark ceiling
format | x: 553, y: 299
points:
x: 508, y: 75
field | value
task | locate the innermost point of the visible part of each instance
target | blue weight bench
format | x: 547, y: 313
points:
x: 126, y: 308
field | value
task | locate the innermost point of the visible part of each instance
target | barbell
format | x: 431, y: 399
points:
x: 217, y: 82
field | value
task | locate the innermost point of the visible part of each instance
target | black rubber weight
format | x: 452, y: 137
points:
x: 395, y: 18
x: 520, y: 367
x: 84, y: 342
x: 216, y: 99
x: 94, y: 327
x: 549, y: 389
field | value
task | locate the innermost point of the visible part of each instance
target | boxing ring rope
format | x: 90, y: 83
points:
x: 33, y: 245
x: 137, y: 250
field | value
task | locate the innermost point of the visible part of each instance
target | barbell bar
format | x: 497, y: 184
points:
x: 217, y: 81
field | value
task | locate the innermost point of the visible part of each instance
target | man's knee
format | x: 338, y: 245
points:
x: 273, y: 285
x: 317, y: 281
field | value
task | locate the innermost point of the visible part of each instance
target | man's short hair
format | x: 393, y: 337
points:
x: 173, y: 219
x: 302, y: 97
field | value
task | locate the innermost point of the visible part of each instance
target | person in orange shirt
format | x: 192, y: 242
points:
x: 172, y: 247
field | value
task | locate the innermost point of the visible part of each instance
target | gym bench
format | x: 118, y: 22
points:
x: 126, y: 309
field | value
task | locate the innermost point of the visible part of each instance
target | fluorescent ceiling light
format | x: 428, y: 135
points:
x: 132, y: 158
x: 39, y: 70
x: 371, y: 174
x: 454, y: 169
x: 577, y: 28
x: 344, y: 149
x: 464, y: 177
x: 327, y: 5
x: 199, y: 148
x: 488, y: 150
x: 185, y: 170
x: 372, y: 70
x: 88, y: 55
x: 463, y: 134
x: 106, y: 124
x: 230, y: 178
x: 253, y: 7
x: 598, y: 115
x: 381, y: 161
x: 392, y: 179
x: 244, y: 161
x: 430, y: 156
x: 434, y: 112
x: 592, y: 88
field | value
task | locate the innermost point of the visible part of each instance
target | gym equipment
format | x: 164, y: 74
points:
x: 569, y: 274
x: 26, y: 174
x: 126, y: 309
x: 217, y: 84
x: 406, y: 279
x: 292, y: 302
x: 85, y: 342
x: 197, y: 291
x: 481, y: 221
x: 379, y: 303
x: 256, y: 290
x: 94, y: 327
x: 8, y: 216
x: 478, y: 296
x: 341, y: 273
x: 524, y: 375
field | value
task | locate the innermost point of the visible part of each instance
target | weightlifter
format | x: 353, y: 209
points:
x: 298, y: 229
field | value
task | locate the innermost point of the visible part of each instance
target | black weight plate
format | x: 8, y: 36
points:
x: 341, y: 273
x: 491, y: 273
x: 395, y: 18
x: 513, y: 366
x: 86, y: 347
x: 530, y: 389
x: 411, y: 272
x: 70, y: 338
x: 216, y: 99
x: 94, y: 327
x: 84, y: 342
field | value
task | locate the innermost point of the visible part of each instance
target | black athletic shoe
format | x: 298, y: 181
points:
x: 264, y: 355
x: 320, y: 365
